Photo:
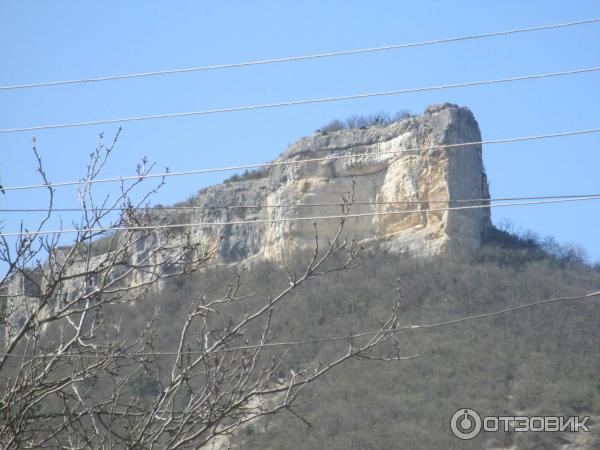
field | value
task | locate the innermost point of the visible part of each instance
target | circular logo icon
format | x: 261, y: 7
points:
x: 465, y: 423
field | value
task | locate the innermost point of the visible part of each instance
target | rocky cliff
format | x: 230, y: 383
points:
x: 384, y: 170
x: 378, y: 163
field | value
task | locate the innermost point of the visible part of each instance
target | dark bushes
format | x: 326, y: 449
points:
x: 246, y: 175
x: 362, y: 122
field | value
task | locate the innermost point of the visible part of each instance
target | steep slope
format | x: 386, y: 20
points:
x: 383, y: 163
x: 539, y: 361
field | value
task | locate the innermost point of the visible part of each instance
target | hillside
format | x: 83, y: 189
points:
x: 398, y: 176
x: 540, y: 361
x: 161, y: 338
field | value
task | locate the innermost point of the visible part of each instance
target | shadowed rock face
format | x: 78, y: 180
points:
x: 435, y: 177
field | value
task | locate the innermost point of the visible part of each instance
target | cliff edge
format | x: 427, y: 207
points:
x: 388, y: 164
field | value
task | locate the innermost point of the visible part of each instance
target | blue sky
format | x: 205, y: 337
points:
x: 42, y: 41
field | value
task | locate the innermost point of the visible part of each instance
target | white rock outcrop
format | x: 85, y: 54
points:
x: 386, y: 164
x: 388, y: 169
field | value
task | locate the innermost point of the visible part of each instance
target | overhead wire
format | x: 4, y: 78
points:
x: 293, y: 205
x: 288, y: 59
x: 538, y: 200
x: 168, y: 174
x: 348, y: 337
x: 283, y: 219
x: 301, y: 102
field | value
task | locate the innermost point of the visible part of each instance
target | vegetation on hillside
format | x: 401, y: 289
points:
x: 544, y: 360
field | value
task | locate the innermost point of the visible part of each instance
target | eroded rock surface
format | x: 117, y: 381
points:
x: 388, y: 169
x: 383, y: 165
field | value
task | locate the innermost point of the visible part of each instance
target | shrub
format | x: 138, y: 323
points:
x: 360, y: 121
x: 246, y: 175
x: 334, y: 125
x: 401, y: 115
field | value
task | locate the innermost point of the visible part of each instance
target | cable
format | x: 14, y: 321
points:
x: 298, y: 58
x: 296, y: 205
x: 325, y: 339
x: 286, y: 219
x: 302, y: 161
x: 301, y: 102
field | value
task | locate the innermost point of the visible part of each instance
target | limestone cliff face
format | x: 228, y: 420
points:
x: 386, y: 170
x: 382, y: 164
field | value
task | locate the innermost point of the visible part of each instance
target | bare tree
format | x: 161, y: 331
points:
x: 73, y: 376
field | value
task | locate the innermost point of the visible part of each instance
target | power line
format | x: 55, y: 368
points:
x: 302, y: 161
x: 298, y: 58
x: 301, y: 102
x: 297, y: 205
x: 286, y: 219
x: 324, y: 339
